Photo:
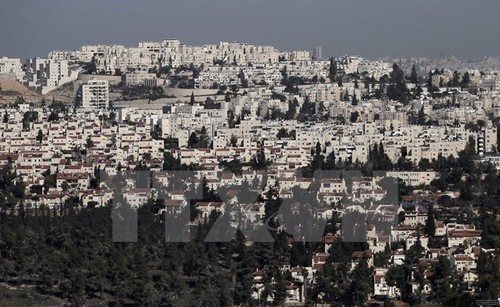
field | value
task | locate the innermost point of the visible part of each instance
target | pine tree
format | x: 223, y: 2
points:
x: 193, y: 140
x: 414, y: 75
x: 465, y: 80
x: 332, y: 70
x: 204, y: 138
x: 192, y: 100
x: 430, y: 224
x: 330, y: 161
x: 39, y: 137
x: 398, y: 90
x: 455, y: 81
x: 354, y: 100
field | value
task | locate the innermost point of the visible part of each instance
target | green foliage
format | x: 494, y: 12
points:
x: 445, y: 282
x: 397, y: 89
x: 307, y: 111
x: 430, y: 225
x: 39, y: 136
x: 12, y: 188
x: 354, y: 117
x: 465, y: 80
x: 233, y: 166
x: 54, y: 116
x: 72, y: 257
x: 29, y: 117
x: 488, y: 271
x: 455, y: 80
x: 354, y: 101
x: 378, y: 159
x: 201, y: 141
x: 259, y: 161
x: 333, y: 72
x: 283, y: 133
x: 171, y: 163
x: 414, y: 76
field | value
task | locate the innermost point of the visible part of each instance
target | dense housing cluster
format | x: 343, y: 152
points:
x: 375, y: 182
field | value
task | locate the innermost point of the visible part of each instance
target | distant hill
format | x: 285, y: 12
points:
x: 64, y: 93
x: 11, y: 89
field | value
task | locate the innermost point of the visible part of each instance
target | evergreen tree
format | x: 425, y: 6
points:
x: 354, y: 100
x: 430, y: 224
x: 414, y: 75
x: 465, y: 80
x: 397, y: 89
x: 330, y: 161
x: 39, y: 136
x: 192, y: 99
x: 204, y: 139
x: 455, y: 80
x: 193, y: 140
x: 332, y: 71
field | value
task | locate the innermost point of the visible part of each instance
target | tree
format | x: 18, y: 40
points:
x: 413, y: 75
x: 307, y: 110
x: 234, y: 141
x: 465, y: 80
x: 397, y: 89
x: 354, y: 117
x: 89, y: 143
x: 333, y: 70
x: 421, y: 117
x: 415, y: 252
x: 346, y: 96
x: 192, y: 100
x: 65, y: 186
x: 318, y: 158
x: 147, y: 156
x: 204, y: 140
x: 354, y: 100
x: 396, y: 277
x: 39, y: 136
x: 282, y: 133
x: 292, y: 109
x: 193, y: 140
x: 259, y: 161
x: 430, y: 224
x: 455, y: 80
x: 243, y: 79
x: 29, y: 117
x: 227, y: 97
x: 279, y: 293
x: 442, y: 280
x: 53, y: 116
x: 488, y: 271
x: 361, y: 283
x: 233, y: 166
x: 330, y: 161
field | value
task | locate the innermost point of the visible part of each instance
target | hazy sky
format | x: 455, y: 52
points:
x: 371, y: 28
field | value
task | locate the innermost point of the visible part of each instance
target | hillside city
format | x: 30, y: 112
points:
x: 339, y: 181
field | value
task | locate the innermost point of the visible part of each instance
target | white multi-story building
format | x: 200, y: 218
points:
x: 48, y: 74
x: 143, y: 78
x: 95, y: 94
x: 11, y: 66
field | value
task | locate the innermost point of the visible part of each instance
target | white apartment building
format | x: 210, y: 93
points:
x: 48, y: 74
x: 414, y: 178
x: 144, y: 79
x: 11, y: 66
x: 95, y: 94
